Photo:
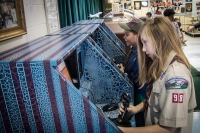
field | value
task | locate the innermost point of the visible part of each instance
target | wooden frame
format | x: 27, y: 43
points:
x: 12, y: 19
x: 188, y: 7
x: 182, y: 9
x: 137, y: 5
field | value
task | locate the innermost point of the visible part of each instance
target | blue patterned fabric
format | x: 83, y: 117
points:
x: 107, y: 45
x: 103, y: 76
x: 36, y: 97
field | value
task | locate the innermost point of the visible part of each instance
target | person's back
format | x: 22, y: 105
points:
x: 178, y: 22
x: 169, y: 13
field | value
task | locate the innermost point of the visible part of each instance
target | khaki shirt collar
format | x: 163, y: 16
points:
x: 170, y: 58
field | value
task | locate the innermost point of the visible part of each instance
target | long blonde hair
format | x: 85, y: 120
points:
x: 164, y: 39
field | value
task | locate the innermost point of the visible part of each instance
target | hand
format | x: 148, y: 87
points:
x: 121, y: 67
x: 121, y: 109
x: 131, y: 109
x: 190, y: 28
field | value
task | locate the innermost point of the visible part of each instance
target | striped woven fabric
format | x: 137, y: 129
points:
x: 34, y: 97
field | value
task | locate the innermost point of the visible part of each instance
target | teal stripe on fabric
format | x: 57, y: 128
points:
x: 87, y: 11
x: 95, y: 118
x: 65, y: 13
x: 19, y: 48
x: 92, y: 6
x: 97, y: 6
x: 43, y: 100
x: 11, y: 102
x: 82, y: 10
x: 2, y: 127
x: 77, y: 38
x: 59, y: 98
x: 75, y: 9
x: 26, y: 97
x: 52, y: 48
x: 111, y: 128
x: 27, y: 50
x: 89, y: 28
x: 43, y: 46
x: 77, y: 108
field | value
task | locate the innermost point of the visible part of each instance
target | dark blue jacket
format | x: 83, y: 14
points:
x: 132, y: 69
x: 197, y: 25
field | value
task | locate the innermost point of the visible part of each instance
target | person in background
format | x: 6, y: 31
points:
x: 169, y: 13
x: 192, y: 27
x: 148, y: 15
x: 178, y: 22
x: 158, y: 11
x: 170, y: 95
x: 130, y: 66
x: 183, y: 33
x: 180, y: 2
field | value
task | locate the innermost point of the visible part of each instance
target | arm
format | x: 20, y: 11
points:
x: 148, y: 129
x: 190, y: 28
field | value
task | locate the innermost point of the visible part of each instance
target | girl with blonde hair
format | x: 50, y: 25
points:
x: 170, y: 96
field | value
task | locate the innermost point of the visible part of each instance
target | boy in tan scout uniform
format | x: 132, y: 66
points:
x: 170, y: 95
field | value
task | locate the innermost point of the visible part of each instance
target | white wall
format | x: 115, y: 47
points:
x: 142, y: 12
x: 35, y: 24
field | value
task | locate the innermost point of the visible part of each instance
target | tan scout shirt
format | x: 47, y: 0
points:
x: 172, y: 98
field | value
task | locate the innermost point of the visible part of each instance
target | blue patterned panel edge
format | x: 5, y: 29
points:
x: 107, y: 84
x: 113, y: 36
x: 108, y: 46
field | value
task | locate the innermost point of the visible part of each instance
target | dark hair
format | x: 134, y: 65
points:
x: 169, y: 12
x: 149, y: 14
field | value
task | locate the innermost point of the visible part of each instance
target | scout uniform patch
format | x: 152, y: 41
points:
x: 177, y: 97
x: 176, y: 83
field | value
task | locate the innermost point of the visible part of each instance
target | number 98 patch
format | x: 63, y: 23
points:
x: 177, y: 97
